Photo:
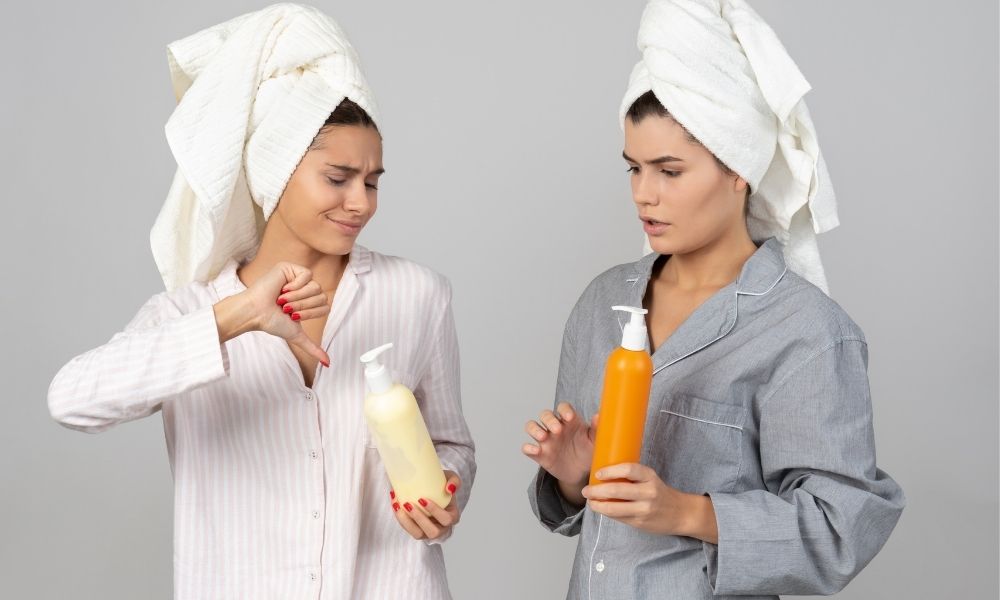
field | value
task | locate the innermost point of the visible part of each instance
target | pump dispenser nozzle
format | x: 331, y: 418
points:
x: 378, y: 377
x: 634, y: 332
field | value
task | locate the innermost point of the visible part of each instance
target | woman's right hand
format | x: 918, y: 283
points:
x: 565, y: 444
x: 277, y: 303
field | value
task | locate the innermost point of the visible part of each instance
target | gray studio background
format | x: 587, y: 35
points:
x: 504, y: 173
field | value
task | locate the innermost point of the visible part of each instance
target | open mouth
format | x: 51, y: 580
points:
x: 653, y: 226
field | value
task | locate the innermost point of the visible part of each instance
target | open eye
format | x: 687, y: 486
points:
x: 632, y: 170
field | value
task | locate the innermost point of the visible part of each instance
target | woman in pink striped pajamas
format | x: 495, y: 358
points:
x: 279, y: 489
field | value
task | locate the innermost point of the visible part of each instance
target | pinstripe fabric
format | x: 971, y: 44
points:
x: 279, y: 490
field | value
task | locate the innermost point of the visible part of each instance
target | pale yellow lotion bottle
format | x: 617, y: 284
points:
x: 401, y: 436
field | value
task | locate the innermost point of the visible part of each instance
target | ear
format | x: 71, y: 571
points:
x: 740, y: 185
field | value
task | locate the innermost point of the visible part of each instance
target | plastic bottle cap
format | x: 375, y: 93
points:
x: 378, y: 377
x: 634, y: 332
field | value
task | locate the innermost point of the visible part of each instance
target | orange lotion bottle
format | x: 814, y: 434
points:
x: 628, y: 375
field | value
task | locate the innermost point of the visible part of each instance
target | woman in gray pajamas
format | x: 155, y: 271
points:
x: 758, y: 474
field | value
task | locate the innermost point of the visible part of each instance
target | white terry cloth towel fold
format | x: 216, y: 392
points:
x: 724, y: 75
x: 252, y: 93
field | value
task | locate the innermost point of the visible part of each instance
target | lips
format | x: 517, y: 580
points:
x: 349, y: 227
x: 653, y: 226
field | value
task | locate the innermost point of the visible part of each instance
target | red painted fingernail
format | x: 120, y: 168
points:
x: 281, y: 301
x: 288, y: 308
x: 325, y: 363
x: 422, y: 502
x: 392, y: 494
x: 395, y: 506
x: 408, y: 507
x: 451, y: 488
x: 296, y: 316
x: 284, y: 290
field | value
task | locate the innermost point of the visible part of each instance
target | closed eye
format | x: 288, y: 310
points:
x: 633, y: 170
x: 340, y: 182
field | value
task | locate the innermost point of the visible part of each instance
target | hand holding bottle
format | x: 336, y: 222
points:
x: 636, y: 496
x: 433, y: 521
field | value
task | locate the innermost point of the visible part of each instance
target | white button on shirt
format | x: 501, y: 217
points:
x: 245, y: 457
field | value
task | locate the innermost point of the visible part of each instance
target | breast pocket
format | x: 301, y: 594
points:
x: 695, y: 444
x: 405, y: 378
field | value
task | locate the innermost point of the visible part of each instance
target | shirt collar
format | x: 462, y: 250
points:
x: 760, y: 273
x: 228, y: 282
x: 717, y: 316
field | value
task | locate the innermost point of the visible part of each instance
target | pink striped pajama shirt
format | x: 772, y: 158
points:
x: 279, y: 490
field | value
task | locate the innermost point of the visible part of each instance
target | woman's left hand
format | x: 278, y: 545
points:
x: 440, y: 520
x: 646, y: 503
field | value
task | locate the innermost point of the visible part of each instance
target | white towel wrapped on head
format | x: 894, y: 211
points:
x: 724, y: 75
x: 252, y: 94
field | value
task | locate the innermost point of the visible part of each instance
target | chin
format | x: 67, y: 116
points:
x: 676, y: 245
x: 330, y: 247
x: 665, y: 246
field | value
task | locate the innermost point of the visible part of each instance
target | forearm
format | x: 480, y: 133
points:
x: 551, y: 508
x: 813, y: 540
x: 233, y: 317
x: 572, y: 492
x: 128, y: 377
x: 699, y: 522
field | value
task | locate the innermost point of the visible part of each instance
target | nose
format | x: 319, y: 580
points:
x: 643, y: 190
x: 356, y: 201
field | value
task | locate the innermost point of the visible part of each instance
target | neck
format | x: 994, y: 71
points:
x: 713, y: 265
x: 280, y: 244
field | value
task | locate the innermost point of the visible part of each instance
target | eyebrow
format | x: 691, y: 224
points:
x: 348, y: 169
x: 655, y: 161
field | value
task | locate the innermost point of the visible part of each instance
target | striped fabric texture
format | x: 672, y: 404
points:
x: 279, y: 489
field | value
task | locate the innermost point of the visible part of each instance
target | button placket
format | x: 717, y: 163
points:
x: 315, y: 456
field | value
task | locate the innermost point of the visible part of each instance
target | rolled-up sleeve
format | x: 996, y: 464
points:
x: 827, y: 509
x: 553, y: 511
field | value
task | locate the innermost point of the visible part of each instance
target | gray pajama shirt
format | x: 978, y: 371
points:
x: 760, y: 400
